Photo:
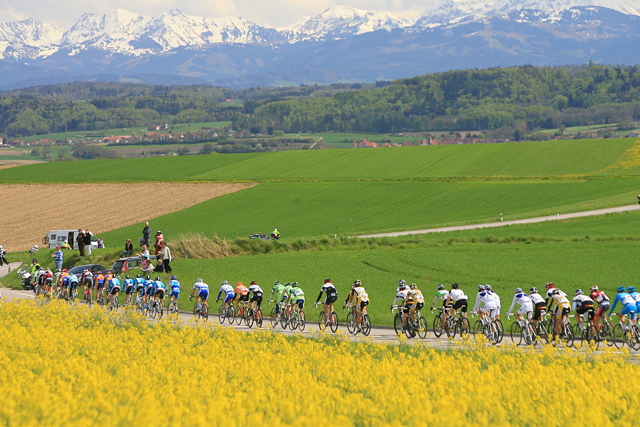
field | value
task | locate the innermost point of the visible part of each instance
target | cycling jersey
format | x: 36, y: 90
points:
x: 401, y: 296
x: 174, y: 285
x: 159, y: 288
x: 627, y: 302
x: 287, y: 292
x: 361, y: 294
x: 581, y: 301
x: 551, y: 299
x: 537, y: 299
x: 636, y: 298
x: 114, y: 285
x: 226, y: 290
x: 242, y: 290
x: 485, y: 302
x: 525, y: 302
x: 416, y: 296
x: 442, y: 294
x: 128, y: 285
x: 278, y: 291
x: 87, y: 277
x: 297, y: 297
x: 561, y: 300
x: 457, y: 295
x: 140, y: 284
x: 255, y: 289
x: 202, y: 290
x: 73, y: 281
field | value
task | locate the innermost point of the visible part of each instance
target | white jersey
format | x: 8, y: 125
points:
x: 227, y: 289
x: 580, y: 300
x: 536, y: 298
x: 200, y: 287
x: 523, y: 300
x: 255, y: 289
x: 486, y: 300
x: 458, y: 295
x: 401, y: 295
x: 329, y: 289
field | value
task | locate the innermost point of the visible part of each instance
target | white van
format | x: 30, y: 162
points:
x: 59, y: 237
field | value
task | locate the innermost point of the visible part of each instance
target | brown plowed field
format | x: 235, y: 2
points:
x: 4, y: 164
x: 23, y: 223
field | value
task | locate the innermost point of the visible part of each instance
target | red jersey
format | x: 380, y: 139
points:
x: 599, y: 296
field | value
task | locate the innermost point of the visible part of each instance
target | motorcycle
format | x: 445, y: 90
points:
x: 275, y: 236
x: 25, y: 279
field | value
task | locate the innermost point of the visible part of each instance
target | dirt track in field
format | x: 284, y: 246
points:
x: 4, y: 164
x: 24, y: 223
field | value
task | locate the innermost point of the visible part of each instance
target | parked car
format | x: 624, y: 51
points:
x: 126, y: 264
x: 94, y: 268
x: 259, y: 236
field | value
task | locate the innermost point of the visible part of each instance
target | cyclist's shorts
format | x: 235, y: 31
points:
x: 488, y: 307
x: 73, y: 285
x: 88, y: 281
x: 256, y: 296
x: 160, y: 293
x: 174, y: 294
x: 628, y: 309
x: 461, y: 304
x: 149, y: 290
x: 229, y: 297
x: 300, y: 303
x: 565, y: 311
x: 204, y: 294
x: 50, y: 280
x: 140, y: 288
x: 526, y: 309
x: 128, y: 289
x: 330, y: 299
x: 243, y: 297
x: 603, y: 307
x: 363, y: 304
x: 115, y: 290
x: 100, y: 285
x: 586, y: 309
x: 417, y: 306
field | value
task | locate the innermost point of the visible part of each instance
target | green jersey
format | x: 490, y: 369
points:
x: 442, y: 294
x: 278, y: 291
x: 287, y: 291
x: 297, y: 294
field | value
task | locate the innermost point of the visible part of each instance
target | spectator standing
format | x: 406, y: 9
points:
x: 80, y: 241
x: 158, y: 244
x: 128, y: 248
x: 2, y: 258
x: 87, y: 242
x: 166, y: 257
x: 58, y: 256
x: 146, y: 234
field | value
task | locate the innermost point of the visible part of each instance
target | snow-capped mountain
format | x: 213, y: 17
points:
x: 451, y: 11
x: 28, y: 39
x: 340, y: 22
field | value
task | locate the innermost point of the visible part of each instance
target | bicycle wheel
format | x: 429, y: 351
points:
x: 606, y: 334
x: 477, y: 328
x: 500, y: 330
x: 397, y: 323
x: 465, y: 328
x: 333, y: 322
x: 634, y: 339
x: 542, y: 331
x: 322, y: 321
x: 284, y: 320
x: 350, y: 325
x: 450, y: 327
x: 293, y: 323
x: 423, y: 329
x: 492, y: 332
x: 205, y: 312
x: 516, y: 333
x: 618, y: 336
x: 221, y: 312
x: 274, y: 318
x: 410, y: 330
x: 159, y: 307
x: 258, y: 318
x: 302, y: 321
x: 591, y: 336
x: 232, y: 314
x: 366, y: 325
x: 152, y: 311
x: 249, y: 319
x: 568, y: 335
x: 530, y: 336
x: 437, y: 325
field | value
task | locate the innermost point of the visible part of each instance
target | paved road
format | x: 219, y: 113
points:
x: 503, y: 223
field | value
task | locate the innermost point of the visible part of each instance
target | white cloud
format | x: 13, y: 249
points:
x: 276, y: 13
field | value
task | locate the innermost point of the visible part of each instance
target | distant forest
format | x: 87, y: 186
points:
x: 519, y: 98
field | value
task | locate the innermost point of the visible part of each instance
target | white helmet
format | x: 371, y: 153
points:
x: 199, y: 280
x: 224, y: 282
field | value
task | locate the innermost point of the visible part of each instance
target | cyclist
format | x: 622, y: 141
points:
x: 414, y: 301
x: 256, y: 294
x: 603, y: 304
x: 73, y: 284
x: 48, y: 280
x: 61, y: 278
x: 332, y: 296
x: 285, y: 298
x: 485, y: 304
x: 98, y: 281
x: 443, y: 294
x: 550, y: 289
x: 113, y: 288
x: 563, y: 307
x: 526, y: 305
x: 582, y: 304
x: 402, y: 294
x: 87, y: 282
x: 496, y: 298
x: 174, y: 285
x: 636, y: 296
x: 159, y: 290
x: 140, y: 285
x: 278, y: 292
x: 359, y: 296
x: 242, y: 293
x: 128, y: 285
x: 459, y: 299
x: 149, y: 286
x: 225, y: 289
x: 540, y: 306
x: 296, y: 297
x: 628, y: 305
x: 107, y: 279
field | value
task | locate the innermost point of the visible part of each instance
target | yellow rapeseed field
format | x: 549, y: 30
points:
x: 73, y: 366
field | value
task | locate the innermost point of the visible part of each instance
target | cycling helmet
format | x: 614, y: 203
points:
x: 401, y: 282
x: 402, y: 287
x: 200, y: 280
x: 34, y: 260
x: 594, y: 288
x: 157, y: 278
x: 440, y: 287
x: 631, y: 289
x: 533, y: 290
x: 518, y: 290
x: 480, y: 288
x: 48, y: 269
x: 86, y: 270
x: 620, y: 289
x: 173, y: 277
x: 455, y: 286
x: 65, y: 270
x: 224, y: 282
x: 239, y: 284
x: 253, y: 282
x: 357, y: 283
x: 487, y: 287
x: 414, y: 286
x: 127, y: 277
x: 287, y: 284
x: 555, y: 292
x: 148, y: 278
x: 138, y: 276
x: 579, y: 292
x: 294, y: 284
x: 327, y: 280
x: 550, y: 285
x: 277, y: 282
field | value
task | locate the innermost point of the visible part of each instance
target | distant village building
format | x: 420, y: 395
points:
x: 116, y: 138
x: 365, y: 143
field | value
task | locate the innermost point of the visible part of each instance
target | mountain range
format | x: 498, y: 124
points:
x: 340, y: 44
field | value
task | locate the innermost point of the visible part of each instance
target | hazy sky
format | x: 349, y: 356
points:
x: 276, y: 13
